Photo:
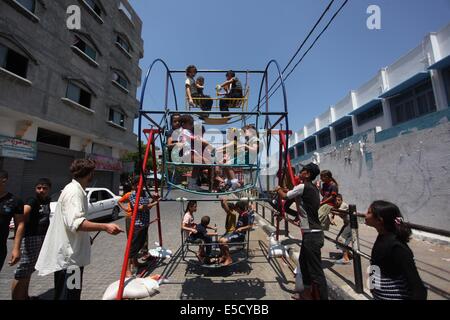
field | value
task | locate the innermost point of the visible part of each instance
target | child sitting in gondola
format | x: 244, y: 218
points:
x: 226, y: 154
x: 206, y: 102
x: 173, y: 134
x: 188, y: 226
x: 243, y: 225
x: 194, y: 149
x: 231, y: 218
x: 204, y: 238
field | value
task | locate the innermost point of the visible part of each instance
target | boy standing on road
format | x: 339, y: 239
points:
x: 67, y: 244
x: 10, y: 207
x: 37, y: 219
x: 307, y: 196
x: 141, y: 224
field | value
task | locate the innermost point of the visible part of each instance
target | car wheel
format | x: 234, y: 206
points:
x: 115, y: 214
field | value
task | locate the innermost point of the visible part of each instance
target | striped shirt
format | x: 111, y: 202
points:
x: 395, y: 275
x: 385, y: 288
x: 143, y: 216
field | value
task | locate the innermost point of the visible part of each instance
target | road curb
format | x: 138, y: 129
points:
x: 337, y: 290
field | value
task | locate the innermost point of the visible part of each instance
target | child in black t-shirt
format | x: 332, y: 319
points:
x: 204, y: 237
x: 200, y: 84
x: 206, y: 102
x: 37, y: 216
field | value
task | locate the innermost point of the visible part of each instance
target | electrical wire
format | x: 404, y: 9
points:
x: 306, y: 52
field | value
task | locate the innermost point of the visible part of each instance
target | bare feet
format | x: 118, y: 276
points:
x: 227, y: 262
x: 305, y: 295
x: 296, y: 296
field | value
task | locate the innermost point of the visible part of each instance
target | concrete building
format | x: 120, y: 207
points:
x: 389, y: 139
x: 64, y: 93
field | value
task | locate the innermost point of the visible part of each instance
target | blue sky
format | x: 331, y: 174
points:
x: 246, y: 34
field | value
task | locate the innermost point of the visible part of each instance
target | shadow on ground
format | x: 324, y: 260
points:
x: 206, y: 289
x: 48, y: 295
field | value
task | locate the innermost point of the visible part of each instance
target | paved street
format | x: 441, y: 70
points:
x: 257, y: 279
x: 432, y: 261
x: 260, y: 278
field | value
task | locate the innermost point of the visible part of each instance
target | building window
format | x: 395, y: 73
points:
x: 123, y: 43
x: 85, y: 48
x: 300, y: 149
x: 292, y: 153
x: 94, y: 6
x: 120, y: 79
x: 126, y: 12
x: 369, y: 115
x: 53, y: 138
x: 311, y: 145
x: 344, y: 130
x: 324, y: 139
x: 117, y: 117
x: 13, y: 61
x: 78, y: 95
x: 413, y: 103
x: 30, y: 5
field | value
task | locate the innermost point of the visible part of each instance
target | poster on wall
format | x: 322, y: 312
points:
x: 17, y: 148
x: 103, y: 163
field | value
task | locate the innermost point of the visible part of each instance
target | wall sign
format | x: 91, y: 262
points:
x: 106, y: 163
x: 17, y: 148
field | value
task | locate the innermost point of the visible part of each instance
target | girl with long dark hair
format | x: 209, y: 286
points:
x: 394, y: 274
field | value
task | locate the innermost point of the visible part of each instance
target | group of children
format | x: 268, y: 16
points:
x: 239, y: 220
x: 395, y: 275
x: 331, y: 199
x: 233, y: 91
x: 186, y: 145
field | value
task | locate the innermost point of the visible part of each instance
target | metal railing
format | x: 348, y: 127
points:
x: 355, y: 247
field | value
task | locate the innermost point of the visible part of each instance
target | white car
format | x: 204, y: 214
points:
x: 101, y: 203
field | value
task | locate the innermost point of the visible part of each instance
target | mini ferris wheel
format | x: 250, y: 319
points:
x: 270, y: 123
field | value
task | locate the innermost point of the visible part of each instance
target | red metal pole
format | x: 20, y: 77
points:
x: 280, y: 199
x: 291, y: 173
x: 133, y: 220
x: 289, y: 165
x: 155, y: 173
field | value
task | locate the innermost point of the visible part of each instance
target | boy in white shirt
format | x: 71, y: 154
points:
x: 67, y: 246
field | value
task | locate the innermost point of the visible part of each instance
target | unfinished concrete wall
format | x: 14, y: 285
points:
x: 408, y: 165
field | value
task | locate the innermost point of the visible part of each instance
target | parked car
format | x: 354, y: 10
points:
x: 101, y: 203
x: 151, y: 179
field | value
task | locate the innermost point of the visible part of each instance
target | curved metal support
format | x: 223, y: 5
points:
x: 280, y: 77
x: 141, y: 105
